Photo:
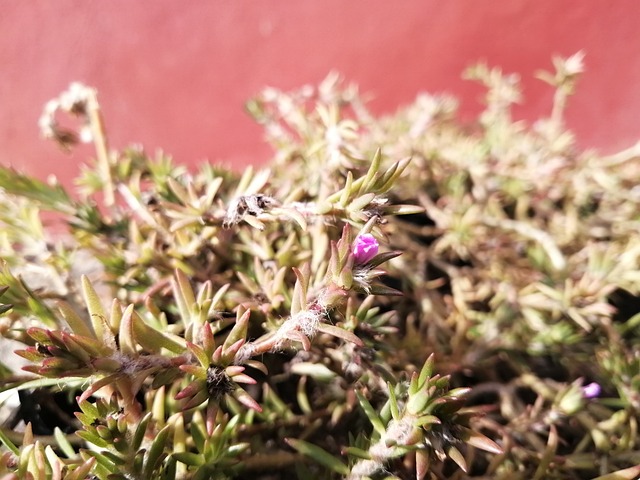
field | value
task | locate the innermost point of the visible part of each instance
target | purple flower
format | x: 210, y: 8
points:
x: 365, y: 247
x: 591, y: 390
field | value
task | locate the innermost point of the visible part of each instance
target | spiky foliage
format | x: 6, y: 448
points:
x: 223, y: 325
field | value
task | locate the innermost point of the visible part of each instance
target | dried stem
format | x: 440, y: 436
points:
x: 102, y: 148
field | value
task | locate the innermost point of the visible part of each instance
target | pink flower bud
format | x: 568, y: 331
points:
x: 365, y: 247
x: 591, y: 391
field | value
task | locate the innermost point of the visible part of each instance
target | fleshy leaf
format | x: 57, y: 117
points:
x: 97, y: 313
x: 340, y: 333
x: 319, y: 455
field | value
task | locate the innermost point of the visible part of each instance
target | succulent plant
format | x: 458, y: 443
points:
x: 397, y: 297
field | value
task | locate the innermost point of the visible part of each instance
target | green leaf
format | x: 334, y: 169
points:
x: 63, y: 443
x: 382, y: 258
x: 49, y: 197
x: 153, y: 340
x: 200, y: 355
x: 402, y: 209
x: 455, y: 455
x: 303, y: 398
x: 299, y: 298
x: 368, y: 181
x: 77, y: 324
x: 346, y: 191
x: 138, y: 435
x: 380, y: 289
x: 357, y: 452
x: 104, y: 461
x: 549, y: 454
x: 126, y: 337
x: 317, y: 371
x: 97, y: 313
x: 23, y: 299
x: 630, y: 473
x: 8, y: 443
x: 478, y: 440
x: 391, y: 175
x: 239, y: 330
x: 92, y: 346
x: 427, y: 420
x: 458, y: 393
x: 418, y: 401
x: 361, y: 202
x: 183, y: 293
x: 92, y: 438
x: 295, y: 216
x: 82, y: 472
x: 156, y: 451
x: 340, y: 333
x: 198, y: 436
x: 318, y: 454
x: 89, y: 409
x: 393, y: 402
x: 189, y: 458
x: 375, y: 420
x: 426, y: 371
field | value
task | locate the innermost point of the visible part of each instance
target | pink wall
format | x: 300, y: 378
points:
x: 175, y: 74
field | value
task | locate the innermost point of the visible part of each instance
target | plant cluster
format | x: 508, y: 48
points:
x: 401, y: 297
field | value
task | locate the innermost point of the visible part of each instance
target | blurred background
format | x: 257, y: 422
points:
x: 176, y: 75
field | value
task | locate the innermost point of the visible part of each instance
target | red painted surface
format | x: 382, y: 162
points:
x: 175, y: 75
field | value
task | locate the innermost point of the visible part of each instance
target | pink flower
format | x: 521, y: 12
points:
x: 365, y: 247
x: 591, y: 391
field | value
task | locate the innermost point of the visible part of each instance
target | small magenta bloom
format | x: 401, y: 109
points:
x: 365, y: 247
x: 591, y: 390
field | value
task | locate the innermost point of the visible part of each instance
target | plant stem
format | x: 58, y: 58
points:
x: 102, y: 149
